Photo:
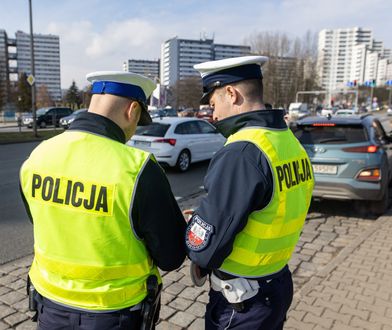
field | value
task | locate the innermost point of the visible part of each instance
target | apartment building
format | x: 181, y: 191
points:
x: 349, y: 54
x: 178, y: 56
x: 4, y: 71
x: 15, y: 59
x: 46, y: 58
x: 144, y: 67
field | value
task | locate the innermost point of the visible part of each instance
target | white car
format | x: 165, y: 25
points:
x: 345, y: 112
x: 178, y: 141
x: 327, y: 111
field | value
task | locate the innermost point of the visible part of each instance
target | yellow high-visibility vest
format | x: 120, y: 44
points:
x: 268, y: 240
x: 80, y: 188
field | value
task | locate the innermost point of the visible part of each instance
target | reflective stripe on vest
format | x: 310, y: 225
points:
x: 268, y: 240
x: 86, y: 252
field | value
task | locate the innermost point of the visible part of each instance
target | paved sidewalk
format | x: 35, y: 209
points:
x: 342, y: 273
x: 354, y: 291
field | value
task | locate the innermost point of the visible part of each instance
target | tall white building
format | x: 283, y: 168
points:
x: 178, y: 56
x: 4, y: 71
x: 346, y: 55
x: 144, y: 67
x: 46, y: 58
x: 337, y: 55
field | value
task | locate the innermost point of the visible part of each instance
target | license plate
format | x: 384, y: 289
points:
x: 143, y: 143
x: 325, y: 169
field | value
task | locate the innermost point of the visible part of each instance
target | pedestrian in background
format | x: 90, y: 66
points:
x: 259, y: 188
x: 103, y: 213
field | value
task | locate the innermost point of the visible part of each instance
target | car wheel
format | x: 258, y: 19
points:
x: 183, y: 161
x: 42, y: 124
x: 381, y: 206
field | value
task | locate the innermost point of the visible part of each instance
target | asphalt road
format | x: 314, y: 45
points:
x: 16, y: 238
x: 15, y: 230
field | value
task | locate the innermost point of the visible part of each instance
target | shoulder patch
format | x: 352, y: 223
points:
x: 198, y: 233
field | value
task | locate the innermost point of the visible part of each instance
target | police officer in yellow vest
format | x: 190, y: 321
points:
x: 259, y: 188
x: 104, y: 215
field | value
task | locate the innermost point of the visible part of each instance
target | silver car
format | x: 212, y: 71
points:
x: 178, y: 141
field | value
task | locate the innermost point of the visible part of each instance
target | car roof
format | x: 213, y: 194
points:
x: 173, y: 120
x: 355, y: 119
x: 345, y: 110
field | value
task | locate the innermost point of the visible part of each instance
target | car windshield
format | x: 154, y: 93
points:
x: 42, y: 111
x: 339, y: 134
x: 79, y: 111
x: 156, y: 113
x: 171, y: 112
x: 154, y: 129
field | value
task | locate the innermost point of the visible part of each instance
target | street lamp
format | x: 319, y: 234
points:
x: 32, y: 71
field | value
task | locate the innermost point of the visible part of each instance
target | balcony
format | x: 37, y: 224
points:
x: 11, y: 42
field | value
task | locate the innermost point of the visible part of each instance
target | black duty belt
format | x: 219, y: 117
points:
x: 225, y: 276
x: 50, y: 304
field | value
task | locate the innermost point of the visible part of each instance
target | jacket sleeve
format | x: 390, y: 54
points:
x: 238, y: 182
x: 157, y: 219
x: 26, y: 205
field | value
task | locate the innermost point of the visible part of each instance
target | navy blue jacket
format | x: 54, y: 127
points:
x: 238, y: 182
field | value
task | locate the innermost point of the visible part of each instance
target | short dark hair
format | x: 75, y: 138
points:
x: 252, y: 89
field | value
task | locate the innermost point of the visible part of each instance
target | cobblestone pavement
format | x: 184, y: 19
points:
x: 342, y: 274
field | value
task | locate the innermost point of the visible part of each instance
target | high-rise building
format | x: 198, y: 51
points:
x: 4, y: 71
x: 225, y: 51
x: 46, y: 58
x: 382, y: 71
x: 146, y: 68
x: 346, y: 55
x: 335, y: 49
x: 178, y: 56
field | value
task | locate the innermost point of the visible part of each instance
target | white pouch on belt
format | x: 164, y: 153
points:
x: 236, y: 290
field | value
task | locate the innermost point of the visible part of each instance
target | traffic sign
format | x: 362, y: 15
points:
x: 389, y: 83
x: 31, y: 80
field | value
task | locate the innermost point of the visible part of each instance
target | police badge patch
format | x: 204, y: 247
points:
x: 198, y: 233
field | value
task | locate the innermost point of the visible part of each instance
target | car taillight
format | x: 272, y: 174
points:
x: 172, y: 142
x: 323, y: 124
x: 364, y: 149
x: 370, y: 175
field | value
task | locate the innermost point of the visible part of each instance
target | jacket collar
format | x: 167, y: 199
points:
x: 260, y: 118
x: 97, y: 124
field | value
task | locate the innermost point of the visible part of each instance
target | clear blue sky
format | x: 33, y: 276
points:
x: 101, y: 35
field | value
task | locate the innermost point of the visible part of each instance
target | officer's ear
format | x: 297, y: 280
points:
x: 232, y: 94
x: 133, y: 112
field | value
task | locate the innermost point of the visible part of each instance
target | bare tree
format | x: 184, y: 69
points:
x: 86, y: 96
x: 186, y: 93
x: 43, y: 97
x: 291, y: 66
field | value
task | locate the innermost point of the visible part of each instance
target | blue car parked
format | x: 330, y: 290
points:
x: 351, y: 158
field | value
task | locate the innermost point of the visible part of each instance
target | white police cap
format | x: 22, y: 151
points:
x: 223, y: 72
x: 126, y: 84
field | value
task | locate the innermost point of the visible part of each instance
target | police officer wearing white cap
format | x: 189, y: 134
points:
x: 259, y: 189
x: 104, y: 215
